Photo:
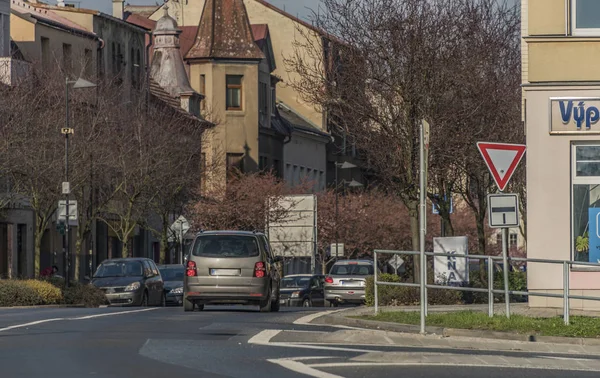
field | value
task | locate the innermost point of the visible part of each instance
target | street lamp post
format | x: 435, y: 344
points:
x: 353, y: 183
x: 78, y: 84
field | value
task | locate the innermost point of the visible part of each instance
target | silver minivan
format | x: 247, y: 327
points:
x: 231, y: 267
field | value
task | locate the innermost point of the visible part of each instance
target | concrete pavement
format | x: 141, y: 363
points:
x: 241, y: 342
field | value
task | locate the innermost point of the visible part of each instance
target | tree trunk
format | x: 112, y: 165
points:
x: 164, y: 240
x: 37, y: 249
x: 125, y: 248
x: 78, y: 245
x: 448, y: 228
x: 413, y: 212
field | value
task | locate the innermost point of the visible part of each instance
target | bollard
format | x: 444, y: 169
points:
x: 490, y: 287
x: 566, y: 292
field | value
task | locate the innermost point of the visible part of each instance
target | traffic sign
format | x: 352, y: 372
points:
x: 502, y: 160
x: 179, y: 228
x: 503, y: 210
x: 66, y: 188
x: 66, y: 130
x: 62, y: 210
x: 396, y: 262
x: 337, y: 250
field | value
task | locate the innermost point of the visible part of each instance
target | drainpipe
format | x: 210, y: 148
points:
x: 148, y: 46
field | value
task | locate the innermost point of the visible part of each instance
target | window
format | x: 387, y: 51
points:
x: 235, y: 162
x: 276, y: 168
x: 113, y: 57
x: 88, y: 63
x: 226, y: 246
x: 585, y: 17
x: 203, y: 91
x: 585, y: 195
x: 234, y: 92
x: 273, y: 101
x: 46, y: 52
x: 512, y: 240
x: 263, y: 103
x: 263, y: 163
x: 132, y: 69
x: 67, y: 58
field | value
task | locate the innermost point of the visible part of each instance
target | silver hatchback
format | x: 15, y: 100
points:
x: 231, y: 267
x: 346, y: 282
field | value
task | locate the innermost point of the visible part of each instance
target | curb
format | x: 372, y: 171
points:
x: 339, y: 319
x: 41, y: 307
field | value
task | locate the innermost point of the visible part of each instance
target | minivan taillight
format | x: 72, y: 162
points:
x: 328, y: 279
x: 259, y: 269
x: 191, y: 269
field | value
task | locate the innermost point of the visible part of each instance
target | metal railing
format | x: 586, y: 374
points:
x: 566, y: 295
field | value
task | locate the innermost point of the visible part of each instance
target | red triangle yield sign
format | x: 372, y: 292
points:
x: 502, y: 160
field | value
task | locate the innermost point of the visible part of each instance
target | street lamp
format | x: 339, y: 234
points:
x: 77, y: 84
x: 353, y: 183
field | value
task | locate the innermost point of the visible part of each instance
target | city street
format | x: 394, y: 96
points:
x: 241, y: 342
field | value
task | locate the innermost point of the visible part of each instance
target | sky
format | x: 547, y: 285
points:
x: 295, y: 7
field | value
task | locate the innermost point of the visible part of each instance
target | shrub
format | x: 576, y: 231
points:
x: 404, y: 295
x: 86, y: 295
x: 49, y: 293
x: 56, y: 281
x: 16, y: 293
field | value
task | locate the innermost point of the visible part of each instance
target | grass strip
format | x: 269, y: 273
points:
x: 580, y: 326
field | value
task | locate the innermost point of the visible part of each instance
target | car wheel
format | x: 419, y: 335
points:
x: 200, y: 307
x: 265, y: 306
x: 187, y: 305
x: 144, y: 299
x: 275, y: 305
x: 330, y: 303
x: 163, y: 301
x: 307, y: 303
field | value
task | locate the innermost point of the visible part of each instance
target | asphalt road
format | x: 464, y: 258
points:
x: 236, y: 342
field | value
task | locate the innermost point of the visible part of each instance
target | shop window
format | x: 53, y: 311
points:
x: 585, y: 17
x: 585, y: 194
x: 234, y: 92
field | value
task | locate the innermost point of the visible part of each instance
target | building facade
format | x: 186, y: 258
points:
x: 561, y: 97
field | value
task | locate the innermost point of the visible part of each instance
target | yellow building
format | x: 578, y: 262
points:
x: 561, y: 96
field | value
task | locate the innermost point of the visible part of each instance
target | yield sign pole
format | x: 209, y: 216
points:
x: 502, y: 160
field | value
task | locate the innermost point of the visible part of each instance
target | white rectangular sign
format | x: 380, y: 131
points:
x: 450, y: 270
x: 503, y: 210
x: 292, y: 225
x: 62, y: 210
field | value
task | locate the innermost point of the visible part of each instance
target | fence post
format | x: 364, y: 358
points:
x: 375, y: 283
x: 425, y: 287
x: 490, y: 286
x: 566, y: 292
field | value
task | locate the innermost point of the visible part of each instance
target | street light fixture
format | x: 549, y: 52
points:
x: 353, y: 183
x: 77, y: 84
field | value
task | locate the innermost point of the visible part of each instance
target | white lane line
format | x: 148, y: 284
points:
x: 299, y: 367
x: 113, y: 313
x: 263, y: 337
x: 30, y: 324
x: 566, y: 358
x: 78, y: 318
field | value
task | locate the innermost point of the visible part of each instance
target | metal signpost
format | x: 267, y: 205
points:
x: 179, y: 228
x: 502, y: 160
x: 424, y: 131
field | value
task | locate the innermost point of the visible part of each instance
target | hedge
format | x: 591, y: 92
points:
x: 407, y: 296
x: 48, y: 292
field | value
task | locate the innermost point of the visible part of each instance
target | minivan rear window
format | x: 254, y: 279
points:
x: 226, y: 246
x: 352, y: 270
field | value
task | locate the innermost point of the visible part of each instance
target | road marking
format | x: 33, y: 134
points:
x: 30, y: 324
x: 112, y: 314
x: 566, y: 358
x: 264, y: 338
x: 78, y: 318
x: 301, y: 368
x: 306, y: 320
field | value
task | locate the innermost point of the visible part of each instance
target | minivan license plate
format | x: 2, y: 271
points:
x: 224, y: 272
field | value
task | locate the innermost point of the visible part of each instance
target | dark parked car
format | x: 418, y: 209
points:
x: 131, y: 281
x: 172, y: 276
x: 304, y: 290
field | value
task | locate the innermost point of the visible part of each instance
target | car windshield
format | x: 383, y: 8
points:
x: 288, y: 282
x: 120, y: 269
x: 172, y: 273
x: 352, y: 270
x: 226, y: 246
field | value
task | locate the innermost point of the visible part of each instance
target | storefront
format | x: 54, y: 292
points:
x: 563, y: 189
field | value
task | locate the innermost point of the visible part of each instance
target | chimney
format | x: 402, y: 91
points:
x: 118, y: 8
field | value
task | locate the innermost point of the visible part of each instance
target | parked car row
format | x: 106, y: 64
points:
x: 229, y: 267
